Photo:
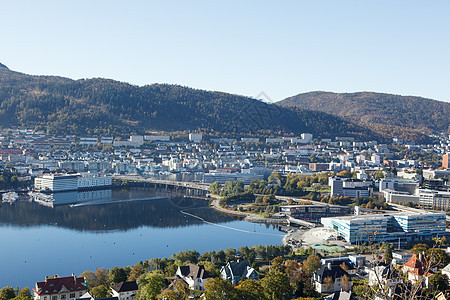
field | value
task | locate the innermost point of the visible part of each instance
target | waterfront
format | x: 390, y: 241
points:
x: 114, y: 231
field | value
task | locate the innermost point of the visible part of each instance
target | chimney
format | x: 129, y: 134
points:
x: 74, y: 278
x: 46, y: 277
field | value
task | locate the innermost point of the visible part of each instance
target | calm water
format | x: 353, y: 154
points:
x: 112, y: 228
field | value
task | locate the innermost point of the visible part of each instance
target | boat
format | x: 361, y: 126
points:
x: 10, y: 197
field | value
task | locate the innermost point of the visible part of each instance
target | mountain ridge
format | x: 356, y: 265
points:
x: 380, y: 111
x: 101, y: 106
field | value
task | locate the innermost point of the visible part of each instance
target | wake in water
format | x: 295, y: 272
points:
x: 99, y: 202
x: 228, y: 227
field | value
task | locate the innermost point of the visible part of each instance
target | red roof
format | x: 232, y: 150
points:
x: 55, y: 285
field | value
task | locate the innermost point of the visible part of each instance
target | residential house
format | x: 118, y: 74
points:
x: 60, y: 288
x: 125, y: 290
x: 419, y: 269
x: 194, y: 275
x: 331, y: 278
x: 235, y: 271
x: 385, y: 277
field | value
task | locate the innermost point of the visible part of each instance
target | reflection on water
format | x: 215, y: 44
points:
x: 108, y: 210
x: 118, y: 228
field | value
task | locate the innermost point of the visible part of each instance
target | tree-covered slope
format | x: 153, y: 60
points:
x: 103, y: 106
x: 385, y: 113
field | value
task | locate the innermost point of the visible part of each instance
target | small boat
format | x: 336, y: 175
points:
x: 10, y: 197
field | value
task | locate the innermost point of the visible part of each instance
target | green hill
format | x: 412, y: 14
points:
x: 387, y: 114
x: 102, y: 106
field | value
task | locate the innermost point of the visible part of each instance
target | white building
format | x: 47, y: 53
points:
x: 125, y: 290
x: 157, y: 138
x: 195, y: 137
x: 194, y: 275
x: 307, y: 137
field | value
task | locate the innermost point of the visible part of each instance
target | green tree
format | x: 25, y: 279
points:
x: 100, y: 291
x: 438, y: 283
x: 150, y: 286
x: 215, y: 188
x: 7, y: 293
x: 117, y: 275
x: 276, y: 285
x: 419, y: 248
x: 219, y: 289
x: 388, y: 253
x: 24, y: 294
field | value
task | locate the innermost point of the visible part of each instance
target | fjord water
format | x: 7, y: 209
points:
x: 112, y: 228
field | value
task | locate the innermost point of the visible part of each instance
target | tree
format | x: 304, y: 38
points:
x: 230, y: 254
x: 438, y: 283
x: 276, y: 285
x: 180, y: 292
x: 329, y: 284
x: 345, y: 281
x: 7, y: 293
x: 117, y: 275
x: 219, y: 289
x: 136, y: 271
x: 251, y: 290
x: 100, y: 291
x: 419, y: 248
x: 24, y: 294
x: 312, y: 264
x: 150, y: 285
x: 388, y: 253
x: 293, y: 270
x: 215, y: 188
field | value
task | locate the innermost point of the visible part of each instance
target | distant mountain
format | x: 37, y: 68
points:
x: 103, y: 107
x: 387, y: 114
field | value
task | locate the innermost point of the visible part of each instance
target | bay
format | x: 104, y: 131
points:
x: 88, y: 230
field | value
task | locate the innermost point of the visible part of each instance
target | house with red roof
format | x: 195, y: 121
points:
x: 418, y: 268
x: 60, y: 288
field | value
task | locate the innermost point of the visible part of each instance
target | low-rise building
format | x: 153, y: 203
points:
x: 60, y: 288
x: 194, y: 275
x: 125, y: 290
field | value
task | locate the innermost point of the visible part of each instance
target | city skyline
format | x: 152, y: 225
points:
x: 281, y: 49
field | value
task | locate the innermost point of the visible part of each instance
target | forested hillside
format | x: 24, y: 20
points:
x: 102, y: 106
x: 388, y: 114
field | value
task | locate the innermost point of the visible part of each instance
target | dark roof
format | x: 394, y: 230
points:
x: 341, y: 296
x: 194, y: 271
x: 125, y: 286
x: 54, y: 285
x: 333, y: 272
x: 238, y: 268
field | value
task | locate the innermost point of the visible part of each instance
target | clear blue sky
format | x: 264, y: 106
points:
x: 243, y: 47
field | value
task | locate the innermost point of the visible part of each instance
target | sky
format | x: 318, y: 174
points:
x: 280, y: 48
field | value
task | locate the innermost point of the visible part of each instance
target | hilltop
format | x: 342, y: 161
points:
x: 103, y: 106
x: 387, y: 114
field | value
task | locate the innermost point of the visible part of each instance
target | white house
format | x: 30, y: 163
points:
x: 125, y: 290
x: 194, y: 275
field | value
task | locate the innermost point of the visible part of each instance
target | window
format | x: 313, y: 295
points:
x: 72, y: 295
x: 63, y: 296
x: 54, y: 297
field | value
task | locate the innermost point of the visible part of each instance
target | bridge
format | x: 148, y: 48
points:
x: 188, y: 188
